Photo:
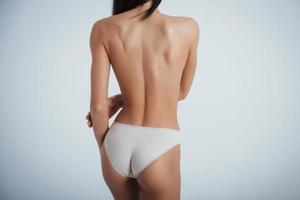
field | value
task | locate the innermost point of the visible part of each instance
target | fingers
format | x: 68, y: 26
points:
x: 114, y: 100
x: 89, y: 124
x: 110, y: 102
x: 116, y: 97
x: 113, y: 110
x: 88, y: 117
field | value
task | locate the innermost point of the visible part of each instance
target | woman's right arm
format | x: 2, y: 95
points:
x: 191, y: 63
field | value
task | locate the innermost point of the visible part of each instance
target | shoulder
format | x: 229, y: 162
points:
x: 102, y: 28
x: 191, y: 28
x: 100, y: 25
x: 181, y: 20
x: 184, y: 26
x: 189, y: 23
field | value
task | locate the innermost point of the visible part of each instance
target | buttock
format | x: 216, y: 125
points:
x: 131, y: 148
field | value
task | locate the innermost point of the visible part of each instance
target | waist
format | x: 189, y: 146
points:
x: 163, y: 118
x: 143, y: 127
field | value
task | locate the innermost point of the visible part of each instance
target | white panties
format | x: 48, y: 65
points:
x: 131, y: 148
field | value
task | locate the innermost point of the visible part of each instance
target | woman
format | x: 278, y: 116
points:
x: 153, y: 56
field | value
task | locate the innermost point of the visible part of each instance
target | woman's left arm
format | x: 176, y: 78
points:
x: 100, y: 70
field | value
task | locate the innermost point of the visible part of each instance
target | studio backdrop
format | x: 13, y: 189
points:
x: 240, y: 120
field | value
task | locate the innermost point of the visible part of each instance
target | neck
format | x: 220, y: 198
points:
x: 146, y: 6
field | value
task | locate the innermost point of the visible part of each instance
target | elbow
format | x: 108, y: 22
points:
x: 184, y: 91
x: 182, y: 95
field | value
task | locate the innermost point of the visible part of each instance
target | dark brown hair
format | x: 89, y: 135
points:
x: 120, y: 6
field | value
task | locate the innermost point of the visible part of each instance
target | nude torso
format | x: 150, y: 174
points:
x: 147, y: 58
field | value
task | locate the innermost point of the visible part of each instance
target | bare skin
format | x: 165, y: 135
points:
x: 154, y: 62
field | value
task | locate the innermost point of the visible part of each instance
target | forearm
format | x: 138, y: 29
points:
x: 100, y: 124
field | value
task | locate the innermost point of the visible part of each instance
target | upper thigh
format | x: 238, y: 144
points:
x: 120, y: 186
x: 162, y: 176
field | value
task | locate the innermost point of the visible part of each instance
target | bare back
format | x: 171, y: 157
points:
x: 148, y: 58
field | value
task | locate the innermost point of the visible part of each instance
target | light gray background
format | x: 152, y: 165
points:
x: 240, y: 121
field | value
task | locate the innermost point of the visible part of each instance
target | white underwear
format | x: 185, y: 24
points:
x: 131, y: 148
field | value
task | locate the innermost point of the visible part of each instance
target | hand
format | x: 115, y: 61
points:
x: 88, y: 117
x: 114, y: 103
